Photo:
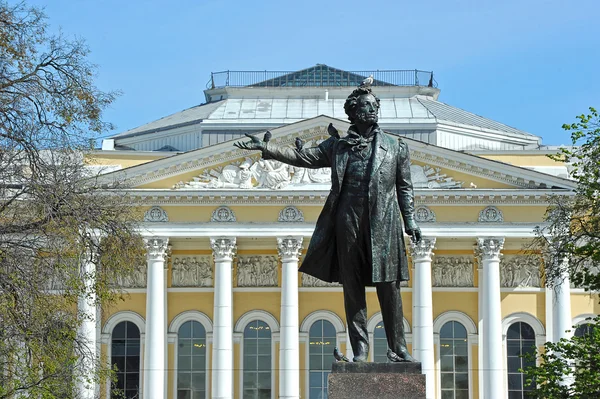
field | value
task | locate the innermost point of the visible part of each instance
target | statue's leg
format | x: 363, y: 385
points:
x: 390, y: 302
x: 356, y: 317
x: 353, y: 261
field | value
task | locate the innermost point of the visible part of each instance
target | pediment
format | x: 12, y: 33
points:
x: 224, y: 167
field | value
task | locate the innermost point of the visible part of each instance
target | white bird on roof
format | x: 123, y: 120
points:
x: 367, y: 82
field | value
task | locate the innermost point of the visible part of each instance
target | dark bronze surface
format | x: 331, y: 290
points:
x: 358, y: 240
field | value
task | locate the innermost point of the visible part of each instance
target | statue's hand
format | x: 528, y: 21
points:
x: 254, y: 144
x: 413, y: 231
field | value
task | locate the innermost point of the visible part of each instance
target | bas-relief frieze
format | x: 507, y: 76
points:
x: 310, y: 281
x: 137, y: 279
x: 257, y: 271
x: 275, y: 175
x: 519, y: 271
x: 192, y: 271
x: 452, y: 271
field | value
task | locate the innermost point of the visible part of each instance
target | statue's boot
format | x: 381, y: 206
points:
x: 362, y: 352
x: 403, y: 356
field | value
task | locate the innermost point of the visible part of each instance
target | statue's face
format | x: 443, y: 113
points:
x: 366, y: 109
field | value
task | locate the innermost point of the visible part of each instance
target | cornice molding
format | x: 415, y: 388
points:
x: 429, y: 197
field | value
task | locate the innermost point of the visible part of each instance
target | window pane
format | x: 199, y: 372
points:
x: 527, y: 331
x: 181, y: 394
x: 459, y: 330
x: 198, y: 330
x: 462, y: 363
x: 132, y: 330
x: 185, y: 331
x: 462, y: 380
x: 119, y: 330
x: 264, y: 363
x: 447, y: 394
x: 314, y: 379
x: 447, y: 381
x: 328, y: 330
x: 184, y: 363
x: 198, y: 381
x: 513, y: 331
x: 446, y: 331
x: 514, y: 382
x: 184, y: 380
x: 447, y: 363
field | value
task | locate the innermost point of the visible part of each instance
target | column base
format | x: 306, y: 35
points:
x: 376, y: 380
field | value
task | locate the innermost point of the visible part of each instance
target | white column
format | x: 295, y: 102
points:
x: 154, y: 349
x: 493, y: 363
x: 87, y: 337
x: 561, y: 305
x: 222, y: 351
x: 423, y: 311
x: 289, y: 351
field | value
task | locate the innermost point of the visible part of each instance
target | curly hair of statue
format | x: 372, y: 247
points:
x: 352, y: 101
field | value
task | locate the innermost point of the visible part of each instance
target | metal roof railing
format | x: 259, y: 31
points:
x: 319, y: 76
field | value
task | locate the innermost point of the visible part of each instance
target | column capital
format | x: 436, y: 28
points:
x: 156, y: 247
x: 422, y: 250
x: 488, y: 248
x: 224, y: 248
x: 289, y: 248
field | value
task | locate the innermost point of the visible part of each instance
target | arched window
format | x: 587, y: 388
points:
x: 257, y: 360
x: 321, y: 341
x: 125, y: 356
x: 380, y: 345
x: 191, y: 361
x: 584, y: 329
x: 520, y: 339
x: 454, y: 361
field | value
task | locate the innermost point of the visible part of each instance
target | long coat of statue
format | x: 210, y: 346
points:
x: 390, y: 195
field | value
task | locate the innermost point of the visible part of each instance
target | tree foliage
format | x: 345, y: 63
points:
x: 52, y: 214
x: 570, y: 241
x: 572, y: 233
x: 569, y: 368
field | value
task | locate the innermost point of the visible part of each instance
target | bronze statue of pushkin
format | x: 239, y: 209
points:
x: 358, y: 240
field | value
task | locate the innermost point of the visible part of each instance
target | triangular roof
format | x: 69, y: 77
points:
x: 196, y: 162
x: 318, y: 75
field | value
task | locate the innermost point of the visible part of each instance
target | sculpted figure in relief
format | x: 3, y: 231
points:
x: 257, y: 271
x: 191, y: 272
x: 520, y: 271
x: 452, y: 272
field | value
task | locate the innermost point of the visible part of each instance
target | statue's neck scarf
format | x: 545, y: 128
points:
x: 358, y: 142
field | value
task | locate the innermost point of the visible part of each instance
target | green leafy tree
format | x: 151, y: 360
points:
x: 569, y: 368
x: 53, y: 218
x: 570, y: 242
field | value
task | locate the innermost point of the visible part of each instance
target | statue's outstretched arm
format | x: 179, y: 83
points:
x: 313, y: 157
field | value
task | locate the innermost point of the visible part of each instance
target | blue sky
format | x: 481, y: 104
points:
x: 531, y: 64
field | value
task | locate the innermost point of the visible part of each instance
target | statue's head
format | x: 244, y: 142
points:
x: 362, y: 106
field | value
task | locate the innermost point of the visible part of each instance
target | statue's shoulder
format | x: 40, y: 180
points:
x: 329, y: 144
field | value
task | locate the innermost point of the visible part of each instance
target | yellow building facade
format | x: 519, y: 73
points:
x: 220, y: 311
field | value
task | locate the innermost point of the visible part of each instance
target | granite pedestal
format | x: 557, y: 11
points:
x: 376, y: 380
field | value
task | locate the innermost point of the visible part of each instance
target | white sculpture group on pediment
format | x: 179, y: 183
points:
x: 257, y: 271
x: 520, y: 271
x: 275, y: 175
x: 452, y: 271
x: 430, y: 177
x: 192, y: 271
